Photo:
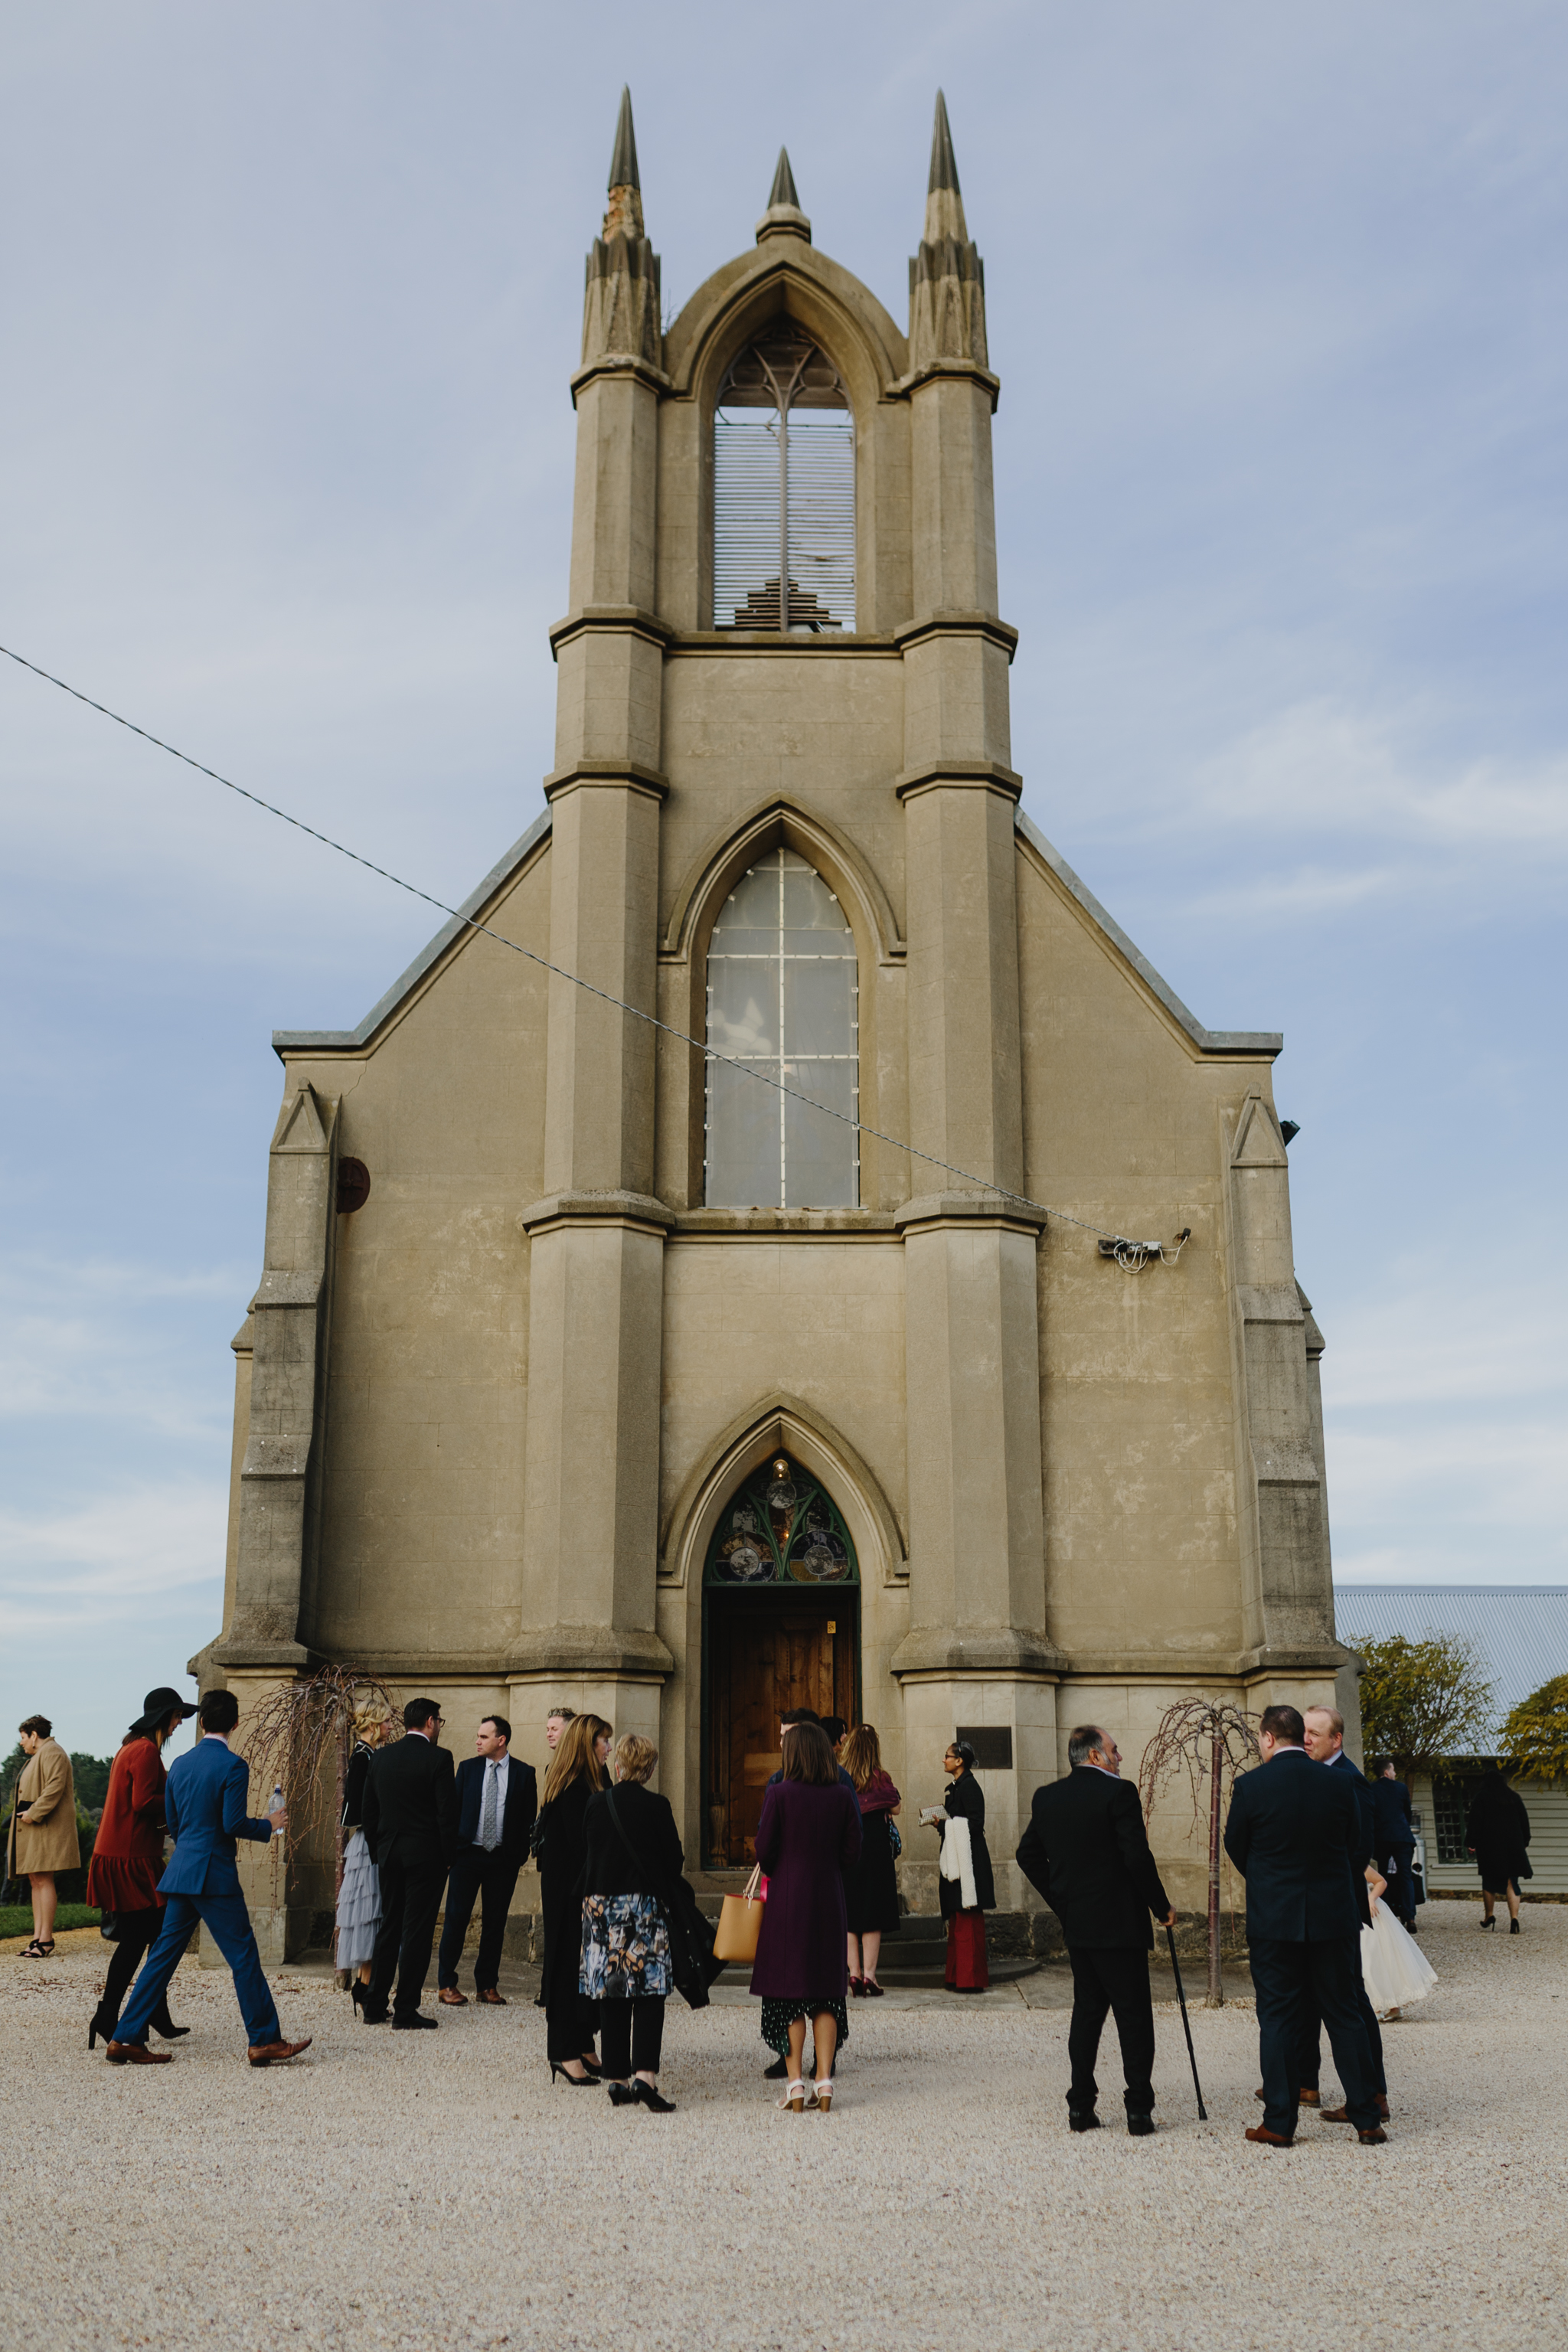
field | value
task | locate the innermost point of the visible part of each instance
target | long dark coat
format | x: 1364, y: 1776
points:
x: 562, y: 1851
x: 965, y: 1799
x: 806, y: 1839
x: 1496, y: 1831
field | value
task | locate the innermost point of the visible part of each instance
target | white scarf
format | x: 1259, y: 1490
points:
x: 958, y: 1860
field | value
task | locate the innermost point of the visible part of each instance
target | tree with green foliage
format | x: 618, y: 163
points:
x: 90, y: 1775
x: 1424, y: 1702
x: 1535, y: 1737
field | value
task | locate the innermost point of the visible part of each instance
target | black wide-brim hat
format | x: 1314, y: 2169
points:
x: 159, y: 1706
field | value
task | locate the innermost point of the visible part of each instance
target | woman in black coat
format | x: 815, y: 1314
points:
x: 633, y: 1857
x: 560, y: 1848
x: 966, y: 1895
x: 1496, y: 1831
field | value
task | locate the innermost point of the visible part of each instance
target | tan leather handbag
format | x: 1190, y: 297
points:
x: 741, y: 1923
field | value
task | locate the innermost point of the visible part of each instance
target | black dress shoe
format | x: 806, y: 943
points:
x: 1083, y: 2119
x: 777, y: 2073
x: 1139, y: 2125
x: 414, y: 2024
x: 647, y: 2096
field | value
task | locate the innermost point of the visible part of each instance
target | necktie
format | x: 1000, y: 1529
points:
x: 487, y: 1818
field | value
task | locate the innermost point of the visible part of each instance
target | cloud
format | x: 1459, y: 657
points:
x: 100, y: 1340
x: 144, y: 1547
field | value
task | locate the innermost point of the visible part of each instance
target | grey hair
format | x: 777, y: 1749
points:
x: 1082, y: 1740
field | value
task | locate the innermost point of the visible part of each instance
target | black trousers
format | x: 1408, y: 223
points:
x: 1107, y: 1979
x: 410, y: 1897
x: 1401, y: 1879
x: 1286, y: 1979
x: 138, y: 1933
x: 491, y: 1878
x: 631, y: 2035
x: 1310, y: 2061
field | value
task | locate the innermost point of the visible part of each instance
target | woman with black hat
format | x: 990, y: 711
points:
x: 128, y: 1857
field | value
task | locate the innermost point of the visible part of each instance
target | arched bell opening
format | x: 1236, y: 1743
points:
x: 780, y: 1629
x: 783, y: 488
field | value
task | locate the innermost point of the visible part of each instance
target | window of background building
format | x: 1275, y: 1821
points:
x: 783, y: 490
x: 783, y: 997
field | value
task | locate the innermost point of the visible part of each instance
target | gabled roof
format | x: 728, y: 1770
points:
x: 499, y: 875
x: 1519, y: 1630
x: 1208, y: 1041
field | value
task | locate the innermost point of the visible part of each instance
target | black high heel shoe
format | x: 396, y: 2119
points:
x: 577, y: 2082
x: 647, y: 2096
x: 98, y: 2025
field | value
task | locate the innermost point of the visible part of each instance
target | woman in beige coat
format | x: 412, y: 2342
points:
x: 43, y: 1827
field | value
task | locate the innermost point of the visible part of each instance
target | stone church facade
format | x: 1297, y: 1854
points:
x: 584, y: 1367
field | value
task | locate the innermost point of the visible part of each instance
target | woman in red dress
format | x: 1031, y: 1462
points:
x: 128, y: 1857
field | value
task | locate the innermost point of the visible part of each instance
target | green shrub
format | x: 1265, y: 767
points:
x: 16, y: 1918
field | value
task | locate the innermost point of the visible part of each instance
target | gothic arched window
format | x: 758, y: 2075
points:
x: 783, y: 999
x: 783, y: 490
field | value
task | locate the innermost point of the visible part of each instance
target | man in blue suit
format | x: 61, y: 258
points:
x: 204, y: 1806
x: 1294, y: 1832
x: 1325, y: 1729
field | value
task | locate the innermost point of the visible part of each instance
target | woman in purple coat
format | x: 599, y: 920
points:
x: 809, y: 1834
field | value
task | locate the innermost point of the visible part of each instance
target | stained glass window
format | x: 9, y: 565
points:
x: 782, y: 995
x: 781, y: 1527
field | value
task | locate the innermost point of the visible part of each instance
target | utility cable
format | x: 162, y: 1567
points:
x: 1138, y: 1253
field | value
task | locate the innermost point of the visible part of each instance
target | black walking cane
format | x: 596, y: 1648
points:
x: 1181, y: 1996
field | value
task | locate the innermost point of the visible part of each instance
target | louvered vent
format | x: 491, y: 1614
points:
x: 783, y: 490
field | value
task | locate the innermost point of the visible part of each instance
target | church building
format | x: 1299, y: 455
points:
x: 829, y: 1339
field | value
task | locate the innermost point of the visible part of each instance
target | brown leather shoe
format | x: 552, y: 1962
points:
x: 1383, y: 2105
x: 1261, y: 2136
x: 132, y: 2053
x: 1335, y: 2114
x: 1376, y: 2137
x: 453, y: 1998
x: 491, y: 1998
x: 272, y: 2054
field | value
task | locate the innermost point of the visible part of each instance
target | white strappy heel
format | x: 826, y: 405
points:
x: 821, y: 2095
x: 794, y: 2097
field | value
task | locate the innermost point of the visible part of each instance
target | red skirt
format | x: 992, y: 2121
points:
x: 966, y: 1968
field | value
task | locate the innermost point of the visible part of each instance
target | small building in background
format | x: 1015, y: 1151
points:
x: 1520, y: 1633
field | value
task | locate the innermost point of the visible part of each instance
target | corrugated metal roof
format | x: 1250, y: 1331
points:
x: 1520, y: 1631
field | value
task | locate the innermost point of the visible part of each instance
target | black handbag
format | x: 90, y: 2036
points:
x: 691, y: 1960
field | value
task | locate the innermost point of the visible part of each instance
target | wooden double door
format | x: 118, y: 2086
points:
x: 764, y: 1657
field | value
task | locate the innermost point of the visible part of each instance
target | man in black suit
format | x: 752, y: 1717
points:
x: 410, y: 1825
x: 1394, y: 1847
x: 496, y: 1802
x: 1087, y: 1851
x: 1324, y: 1729
x: 1295, y: 1834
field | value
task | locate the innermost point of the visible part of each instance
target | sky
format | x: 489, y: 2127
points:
x: 1276, y: 298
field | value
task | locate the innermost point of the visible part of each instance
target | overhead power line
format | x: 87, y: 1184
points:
x: 1134, y: 1256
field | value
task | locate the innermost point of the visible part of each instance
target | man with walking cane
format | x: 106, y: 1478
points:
x: 1087, y: 1851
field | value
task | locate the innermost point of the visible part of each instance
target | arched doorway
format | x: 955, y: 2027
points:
x: 781, y: 1628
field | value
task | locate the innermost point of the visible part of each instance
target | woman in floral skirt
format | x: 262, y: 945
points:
x: 633, y: 1857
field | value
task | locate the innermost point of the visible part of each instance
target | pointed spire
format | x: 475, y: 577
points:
x: 944, y: 204
x: 624, y: 162
x: 620, y: 314
x: 783, y: 216
x: 784, y: 191
x: 943, y: 163
x: 947, y: 277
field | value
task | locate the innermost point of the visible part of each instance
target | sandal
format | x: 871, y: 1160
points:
x: 821, y: 2095
x: 794, y: 2097
x: 36, y: 1951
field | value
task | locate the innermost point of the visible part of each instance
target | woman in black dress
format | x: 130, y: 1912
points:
x: 966, y: 1895
x: 871, y: 1887
x: 633, y: 1857
x: 1496, y: 1831
x: 560, y: 1848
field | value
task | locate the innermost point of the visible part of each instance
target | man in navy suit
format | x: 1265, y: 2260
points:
x: 1294, y: 1832
x: 496, y: 1802
x: 204, y: 1807
x: 1395, y: 1849
x: 1325, y: 1729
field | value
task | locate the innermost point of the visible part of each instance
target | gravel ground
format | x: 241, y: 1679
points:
x: 400, y: 2191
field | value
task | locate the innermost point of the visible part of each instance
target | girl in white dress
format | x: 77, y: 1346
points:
x: 1395, y: 1969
